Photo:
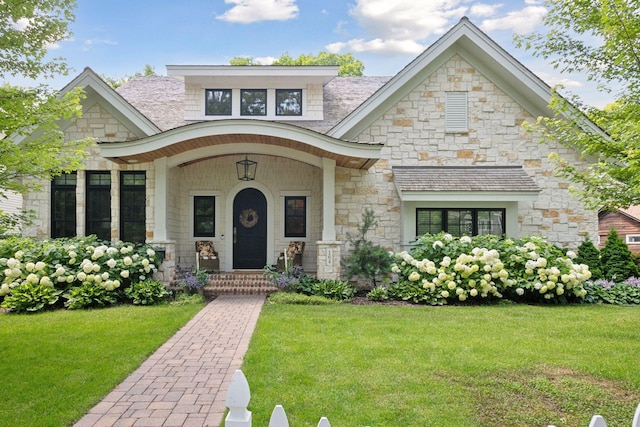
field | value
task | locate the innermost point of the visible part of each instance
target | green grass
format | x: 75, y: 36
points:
x: 55, y: 366
x: 450, y: 366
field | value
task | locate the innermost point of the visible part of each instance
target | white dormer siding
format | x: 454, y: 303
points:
x: 310, y: 80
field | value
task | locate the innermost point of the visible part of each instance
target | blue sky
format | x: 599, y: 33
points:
x: 118, y: 37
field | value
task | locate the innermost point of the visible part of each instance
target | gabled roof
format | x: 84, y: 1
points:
x: 475, y: 47
x: 632, y: 212
x: 98, y: 92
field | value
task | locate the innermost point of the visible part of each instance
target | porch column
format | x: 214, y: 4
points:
x: 160, y: 206
x: 328, y: 248
x: 328, y: 199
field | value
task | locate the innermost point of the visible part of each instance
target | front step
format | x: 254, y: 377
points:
x: 242, y: 283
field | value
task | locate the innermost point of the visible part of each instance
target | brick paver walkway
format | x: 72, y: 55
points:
x: 184, y: 383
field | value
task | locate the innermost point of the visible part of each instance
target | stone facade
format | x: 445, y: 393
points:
x: 413, y: 133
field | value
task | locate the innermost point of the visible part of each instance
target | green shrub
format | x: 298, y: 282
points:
x: 590, y: 255
x: 379, y: 293
x: 366, y: 260
x: 443, y: 269
x: 333, y: 289
x: 149, y: 292
x: 616, y: 258
x: 299, y: 299
x: 415, y: 292
x: 89, y: 295
x: 607, y: 292
x: 183, y: 298
x: 293, y: 279
x: 190, y: 281
x: 30, y: 297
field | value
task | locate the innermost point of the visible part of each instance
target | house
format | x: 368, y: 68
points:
x: 254, y: 157
x: 626, y: 222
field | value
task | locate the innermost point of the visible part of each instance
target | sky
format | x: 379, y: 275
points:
x: 117, y: 38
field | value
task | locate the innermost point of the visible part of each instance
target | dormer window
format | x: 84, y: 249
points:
x: 253, y: 102
x: 268, y: 92
x: 288, y: 102
x: 218, y: 102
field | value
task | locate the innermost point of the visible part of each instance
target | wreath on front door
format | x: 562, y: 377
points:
x: 248, y: 218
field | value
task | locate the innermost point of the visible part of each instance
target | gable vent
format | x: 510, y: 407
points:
x: 456, y: 112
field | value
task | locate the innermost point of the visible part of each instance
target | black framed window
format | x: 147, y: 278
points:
x: 288, y: 102
x: 295, y: 216
x: 460, y: 222
x: 98, y: 210
x: 204, y: 216
x: 133, y: 206
x: 63, y: 205
x: 217, y: 102
x: 253, y: 102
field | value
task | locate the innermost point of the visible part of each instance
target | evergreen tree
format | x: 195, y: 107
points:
x: 617, y: 260
x: 366, y: 259
x: 590, y: 255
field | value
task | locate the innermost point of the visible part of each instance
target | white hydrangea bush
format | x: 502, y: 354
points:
x: 442, y: 269
x: 65, y: 264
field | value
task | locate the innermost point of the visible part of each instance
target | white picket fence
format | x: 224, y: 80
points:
x: 239, y: 395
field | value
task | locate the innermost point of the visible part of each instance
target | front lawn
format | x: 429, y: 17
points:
x: 516, y: 365
x: 55, y: 366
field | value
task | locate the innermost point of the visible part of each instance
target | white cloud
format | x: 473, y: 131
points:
x: 554, y: 80
x: 400, y: 26
x: 248, y: 11
x: 23, y: 24
x: 406, y: 19
x: 384, y: 47
x: 519, y: 21
x: 484, y: 10
x: 265, y: 60
x: 90, y: 43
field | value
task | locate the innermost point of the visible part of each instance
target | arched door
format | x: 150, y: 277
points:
x: 249, y: 230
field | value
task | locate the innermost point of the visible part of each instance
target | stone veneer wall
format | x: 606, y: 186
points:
x: 101, y: 125
x: 413, y: 134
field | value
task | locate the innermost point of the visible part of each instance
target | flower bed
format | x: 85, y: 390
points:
x: 442, y: 269
x: 85, y: 272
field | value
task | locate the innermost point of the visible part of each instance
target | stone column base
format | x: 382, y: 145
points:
x: 329, y: 253
x: 167, y: 268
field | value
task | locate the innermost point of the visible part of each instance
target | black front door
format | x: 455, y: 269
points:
x: 249, y: 230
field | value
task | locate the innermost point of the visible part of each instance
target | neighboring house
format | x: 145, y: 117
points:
x: 439, y: 146
x: 626, y: 222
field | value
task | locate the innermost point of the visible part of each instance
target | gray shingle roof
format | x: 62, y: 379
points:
x: 342, y: 95
x: 472, y: 178
x: 161, y: 99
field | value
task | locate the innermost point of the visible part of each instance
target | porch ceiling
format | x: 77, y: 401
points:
x: 202, y: 135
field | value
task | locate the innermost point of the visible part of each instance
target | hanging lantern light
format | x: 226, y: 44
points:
x: 246, y: 169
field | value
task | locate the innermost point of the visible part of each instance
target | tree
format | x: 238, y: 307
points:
x: 617, y: 260
x: 117, y: 82
x: 348, y: 65
x: 32, y: 147
x: 590, y: 255
x: 366, y: 260
x: 602, y: 39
